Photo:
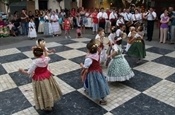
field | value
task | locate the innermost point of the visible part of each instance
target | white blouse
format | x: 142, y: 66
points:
x: 87, y: 62
x: 115, y: 47
x: 31, y: 24
x: 136, y: 35
x: 46, y: 17
x: 39, y: 62
x: 54, y: 17
x: 111, y: 37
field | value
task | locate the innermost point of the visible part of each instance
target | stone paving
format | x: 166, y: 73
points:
x: 150, y: 92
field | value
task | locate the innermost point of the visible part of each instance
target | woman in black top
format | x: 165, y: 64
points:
x: 37, y: 19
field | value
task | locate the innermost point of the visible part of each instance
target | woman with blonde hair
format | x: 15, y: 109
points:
x: 164, y: 26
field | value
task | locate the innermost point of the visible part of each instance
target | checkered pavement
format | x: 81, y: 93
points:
x: 150, y: 92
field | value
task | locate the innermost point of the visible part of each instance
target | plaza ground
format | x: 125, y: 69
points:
x: 150, y: 92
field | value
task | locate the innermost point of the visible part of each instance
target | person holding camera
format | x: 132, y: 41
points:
x: 151, y: 17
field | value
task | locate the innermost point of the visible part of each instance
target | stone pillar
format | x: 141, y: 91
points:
x: 36, y: 5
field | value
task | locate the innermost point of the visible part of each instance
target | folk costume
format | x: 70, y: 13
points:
x: 118, y: 69
x: 47, y: 26
x: 32, y: 31
x: 94, y: 81
x: 137, y: 49
x: 55, y: 25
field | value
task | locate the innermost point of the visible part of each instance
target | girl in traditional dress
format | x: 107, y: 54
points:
x: 131, y: 34
x: 47, y: 25
x: 67, y: 27
x: 46, y: 89
x: 111, y: 37
x: 94, y: 81
x: 11, y: 26
x: 137, y: 48
x: 41, y: 22
x: 99, y: 40
x: 55, y: 25
x: 32, y: 31
x: 118, y: 69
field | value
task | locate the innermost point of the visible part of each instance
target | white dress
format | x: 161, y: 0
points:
x: 32, y: 30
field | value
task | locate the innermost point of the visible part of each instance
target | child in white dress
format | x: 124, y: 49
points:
x: 32, y: 31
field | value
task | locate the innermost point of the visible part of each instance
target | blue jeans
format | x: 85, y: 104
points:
x: 172, y: 33
x: 169, y: 33
x: 24, y: 26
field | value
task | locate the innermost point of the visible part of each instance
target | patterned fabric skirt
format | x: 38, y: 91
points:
x: 56, y: 28
x: 96, y: 85
x: 137, y: 49
x: 48, y: 28
x: 46, y: 92
x: 41, y: 26
x: 119, y: 70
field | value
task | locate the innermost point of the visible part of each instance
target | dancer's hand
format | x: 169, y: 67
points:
x: 81, y: 65
x: 34, y: 47
x: 53, y: 50
x: 109, y: 56
x: 21, y: 70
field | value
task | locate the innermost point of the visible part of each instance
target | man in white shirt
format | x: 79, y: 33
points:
x: 128, y: 19
x: 151, y: 17
x: 113, y: 17
x: 102, y: 16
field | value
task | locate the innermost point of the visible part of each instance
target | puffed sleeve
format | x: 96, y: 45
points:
x: 129, y: 35
x: 46, y: 49
x: 32, y: 68
x: 115, y: 48
x: 137, y: 35
x: 87, y: 62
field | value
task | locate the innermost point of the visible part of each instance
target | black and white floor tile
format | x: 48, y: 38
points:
x: 150, y: 92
